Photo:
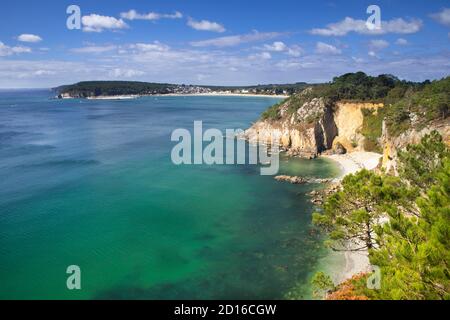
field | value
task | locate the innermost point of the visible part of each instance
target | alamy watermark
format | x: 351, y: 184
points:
x: 374, y: 281
x: 74, y: 279
x: 214, y: 147
x: 73, y: 22
x: 374, y: 21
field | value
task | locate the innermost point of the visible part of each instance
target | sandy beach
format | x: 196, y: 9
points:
x: 354, y: 262
x: 220, y: 94
x: 213, y: 94
x: 355, y: 161
x: 124, y: 97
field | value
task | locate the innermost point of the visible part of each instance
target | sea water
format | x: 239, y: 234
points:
x: 91, y: 183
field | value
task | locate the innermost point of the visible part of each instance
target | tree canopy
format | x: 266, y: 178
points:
x: 404, y: 222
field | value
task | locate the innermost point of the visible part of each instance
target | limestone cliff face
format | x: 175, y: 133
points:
x: 349, y: 121
x: 307, y: 132
x: 314, y: 128
x: 318, y: 127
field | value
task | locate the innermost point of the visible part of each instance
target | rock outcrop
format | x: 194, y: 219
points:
x: 319, y: 127
x: 349, y: 120
x: 313, y: 128
x: 301, y: 180
x: 306, y: 133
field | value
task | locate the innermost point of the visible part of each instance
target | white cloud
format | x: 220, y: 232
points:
x: 146, y: 47
x: 442, y: 17
x: 201, y: 76
x: 125, y: 73
x: 155, y: 46
x: 401, y: 42
x: 325, y: 48
x: 348, y: 25
x: 205, y: 25
x: 8, y: 51
x: 29, y: 38
x: 260, y: 56
x: 378, y: 44
x: 221, y: 66
x: 94, y: 49
x: 358, y: 59
x: 295, y: 51
x: 372, y: 54
x: 98, y: 23
x: 231, y: 41
x: 43, y: 73
x: 134, y: 15
x: 277, y: 46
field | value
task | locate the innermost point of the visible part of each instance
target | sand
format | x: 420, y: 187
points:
x: 356, y: 161
x: 222, y: 94
x: 354, y: 262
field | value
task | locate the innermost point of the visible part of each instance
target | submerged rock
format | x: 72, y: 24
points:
x: 318, y: 196
x: 293, y: 180
x: 301, y: 180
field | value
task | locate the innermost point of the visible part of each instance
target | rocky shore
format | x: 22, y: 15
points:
x: 342, y: 266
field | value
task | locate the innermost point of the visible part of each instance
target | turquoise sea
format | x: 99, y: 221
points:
x: 91, y: 183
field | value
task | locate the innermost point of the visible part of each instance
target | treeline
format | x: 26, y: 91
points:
x: 113, y: 88
x: 403, y: 222
x: 351, y: 86
x: 407, y: 104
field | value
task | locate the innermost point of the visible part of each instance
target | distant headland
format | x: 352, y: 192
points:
x: 134, y: 89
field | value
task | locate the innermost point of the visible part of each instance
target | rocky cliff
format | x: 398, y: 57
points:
x: 316, y: 126
x: 306, y: 132
x: 349, y: 119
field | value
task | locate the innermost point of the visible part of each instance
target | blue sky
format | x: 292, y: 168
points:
x: 220, y: 42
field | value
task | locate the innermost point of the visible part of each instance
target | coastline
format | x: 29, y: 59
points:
x: 124, y: 97
x: 353, y: 162
x: 131, y: 97
x: 212, y: 94
x: 344, y: 265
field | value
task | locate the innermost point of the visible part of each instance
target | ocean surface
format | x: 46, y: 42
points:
x: 91, y: 183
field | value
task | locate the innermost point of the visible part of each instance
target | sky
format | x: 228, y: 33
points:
x: 220, y: 42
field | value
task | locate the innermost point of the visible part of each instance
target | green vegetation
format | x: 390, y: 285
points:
x: 419, y: 163
x: 321, y: 285
x: 113, y: 88
x: 419, y: 105
x: 273, y: 112
x: 350, y: 216
x: 407, y: 104
x: 359, y: 86
x: 413, y: 247
x: 372, y: 129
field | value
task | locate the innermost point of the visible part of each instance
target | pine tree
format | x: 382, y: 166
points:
x: 412, y: 244
x: 414, y: 254
x: 419, y: 163
x: 351, y: 215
